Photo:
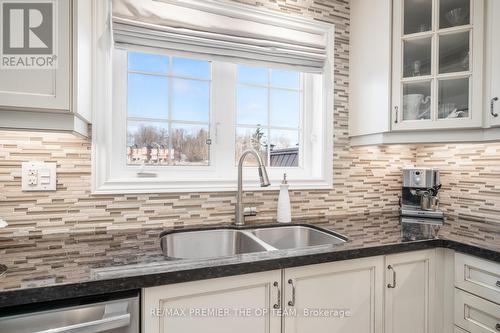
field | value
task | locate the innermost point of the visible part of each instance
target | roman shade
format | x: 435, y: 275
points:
x: 212, y: 28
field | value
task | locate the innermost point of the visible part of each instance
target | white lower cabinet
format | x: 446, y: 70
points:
x: 345, y: 296
x: 410, y: 292
x: 477, y: 294
x: 216, y: 305
x: 475, y: 314
x: 478, y: 276
x: 338, y: 297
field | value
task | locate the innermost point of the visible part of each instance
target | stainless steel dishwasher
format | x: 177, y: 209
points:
x: 120, y: 315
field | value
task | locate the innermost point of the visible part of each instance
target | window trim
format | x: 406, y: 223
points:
x: 107, y: 179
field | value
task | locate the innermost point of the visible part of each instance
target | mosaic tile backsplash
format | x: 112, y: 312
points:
x: 470, y: 197
x: 366, y: 179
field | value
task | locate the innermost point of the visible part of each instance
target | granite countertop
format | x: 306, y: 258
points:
x: 58, y: 266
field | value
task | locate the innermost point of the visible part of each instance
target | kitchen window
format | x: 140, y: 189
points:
x: 168, y: 110
x: 269, y: 107
x: 182, y: 113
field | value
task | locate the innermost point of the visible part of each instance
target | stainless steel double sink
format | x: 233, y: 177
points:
x: 232, y: 241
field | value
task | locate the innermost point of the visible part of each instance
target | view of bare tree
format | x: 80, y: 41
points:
x: 256, y: 139
x: 188, y: 147
x: 147, y: 135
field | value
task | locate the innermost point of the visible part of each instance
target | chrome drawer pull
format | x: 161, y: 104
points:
x: 393, y: 285
x: 292, y: 302
x: 498, y: 284
x: 278, y: 301
x: 497, y: 327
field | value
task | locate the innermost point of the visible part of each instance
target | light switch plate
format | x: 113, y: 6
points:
x: 38, y: 176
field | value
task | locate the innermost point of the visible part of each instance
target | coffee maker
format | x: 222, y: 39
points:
x: 420, y: 193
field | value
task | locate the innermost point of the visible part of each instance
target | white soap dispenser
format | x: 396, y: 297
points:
x: 284, y: 208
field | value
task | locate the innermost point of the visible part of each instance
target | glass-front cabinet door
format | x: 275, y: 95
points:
x: 437, y: 64
x: 492, y: 75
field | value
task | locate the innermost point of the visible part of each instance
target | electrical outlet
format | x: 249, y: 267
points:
x: 32, y: 179
x: 38, y: 176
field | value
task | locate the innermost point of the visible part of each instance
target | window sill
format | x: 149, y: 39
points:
x: 156, y: 185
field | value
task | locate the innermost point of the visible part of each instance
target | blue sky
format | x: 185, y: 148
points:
x: 148, y: 95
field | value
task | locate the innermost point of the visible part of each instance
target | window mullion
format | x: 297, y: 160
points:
x: 224, y: 111
x: 301, y: 129
x: 121, y: 86
x: 268, y: 147
x: 313, y: 128
x: 170, y: 96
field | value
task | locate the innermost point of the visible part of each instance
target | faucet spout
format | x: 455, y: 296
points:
x: 264, y: 182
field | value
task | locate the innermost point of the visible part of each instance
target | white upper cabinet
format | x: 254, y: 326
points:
x: 492, y: 93
x: 437, y: 64
x: 370, y: 67
x: 421, y: 77
x: 58, y: 98
x: 42, y: 88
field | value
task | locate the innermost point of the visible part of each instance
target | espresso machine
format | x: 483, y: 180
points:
x: 419, y: 203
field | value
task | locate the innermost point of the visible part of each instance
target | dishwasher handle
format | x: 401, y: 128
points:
x: 95, y: 326
x: 115, y: 316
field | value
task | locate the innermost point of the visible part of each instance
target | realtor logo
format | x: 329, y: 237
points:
x: 28, y: 30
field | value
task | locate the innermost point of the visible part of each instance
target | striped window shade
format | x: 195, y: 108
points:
x: 222, y: 30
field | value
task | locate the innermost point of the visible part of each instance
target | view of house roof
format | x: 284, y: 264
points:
x: 287, y: 157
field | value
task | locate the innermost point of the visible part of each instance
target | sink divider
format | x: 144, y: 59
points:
x: 258, y: 240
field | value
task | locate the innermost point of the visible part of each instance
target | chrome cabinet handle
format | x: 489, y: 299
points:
x: 292, y: 302
x: 393, y: 285
x: 498, y: 284
x: 278, y: 301
x: 497, y: 327
x: 396, y: 108
x: 492, y: 107
x: 101, y: 325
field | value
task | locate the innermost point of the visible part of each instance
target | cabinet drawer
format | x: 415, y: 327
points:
x: 459, y: 330
x: 478, y: 276
x: 475, y: 314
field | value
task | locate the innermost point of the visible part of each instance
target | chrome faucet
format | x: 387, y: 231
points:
x: 242, y: 211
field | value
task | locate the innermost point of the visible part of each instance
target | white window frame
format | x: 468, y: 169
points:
x: 112, y: 175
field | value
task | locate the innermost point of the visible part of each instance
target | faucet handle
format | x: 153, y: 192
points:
x: 250, y: 211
